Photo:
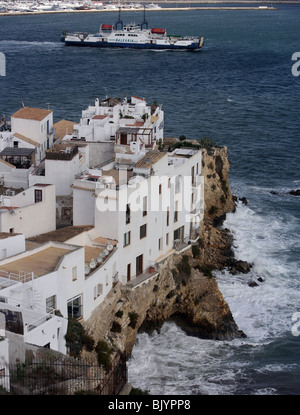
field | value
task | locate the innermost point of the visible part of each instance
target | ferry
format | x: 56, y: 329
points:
x: 132, y: 35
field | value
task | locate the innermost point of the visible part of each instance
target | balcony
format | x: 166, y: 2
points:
x: 142, y: 278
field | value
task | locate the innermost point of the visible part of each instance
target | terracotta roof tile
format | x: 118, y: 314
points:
x: 37, y: 114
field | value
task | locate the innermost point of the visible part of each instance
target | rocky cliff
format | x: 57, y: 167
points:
x: 183, y: 287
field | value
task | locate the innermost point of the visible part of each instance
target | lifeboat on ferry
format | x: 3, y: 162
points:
x: 158, y: 31
x: 107, y: 27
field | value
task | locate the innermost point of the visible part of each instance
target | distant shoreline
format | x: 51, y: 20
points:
x: 137, y: 10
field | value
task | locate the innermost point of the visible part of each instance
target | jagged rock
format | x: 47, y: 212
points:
x: 295, y: 192
x: 253, y: 284
x: 240, y: 267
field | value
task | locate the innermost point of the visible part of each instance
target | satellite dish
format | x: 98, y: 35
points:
x: 86, y: 269
x: 102, y: 254
x: 106, y: 252
x: 93, y: 263
x: 99, y: 259
x: 110, y: 247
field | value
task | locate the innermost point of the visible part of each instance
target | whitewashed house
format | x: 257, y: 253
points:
x: 60, y: 166
x: 17, y: 160
x: 29, y: 212
x: 110, y: 117
x: 32, y: 128
x: 151, y: 206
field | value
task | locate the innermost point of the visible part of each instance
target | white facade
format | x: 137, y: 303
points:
x: 34, y: 126
x: 102, y: 121
x: 11, y: 244
x: 61, y: 166
x: 30, y: 212
x: 149, y: 210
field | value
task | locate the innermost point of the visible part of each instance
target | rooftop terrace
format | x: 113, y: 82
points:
x: 40, y: 263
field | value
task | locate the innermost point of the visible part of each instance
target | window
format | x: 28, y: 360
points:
x: 167, y: 239
x: 98, y: 290
x: 16, y: 144
x: 193, y: 174
x: 168, y: 216
x: 127, y: 214
x: 38, y: 196
x: 139, y: 264
x: 159, y: 189
x: 128, y: 272
x: 176, y: 212
x: 145, y: 206
x: 177, y: 184
x: 75, y: 307
x: 74, y: 273
x: 143, y: 231
x: 160, y: 244
x: 11, y: 230
x: 126, y: 238
x: 51, y: 303
x: 178, y: 234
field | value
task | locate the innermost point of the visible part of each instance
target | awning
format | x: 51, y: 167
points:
x: 17, y: 151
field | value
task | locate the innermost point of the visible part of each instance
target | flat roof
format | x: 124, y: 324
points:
x: 151, y: 157
x: 60, y: 235
x: 92, y: 253
x: 40, y: 263
x: 4, y: 235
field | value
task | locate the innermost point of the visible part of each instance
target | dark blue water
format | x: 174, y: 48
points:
x: 240, y: 91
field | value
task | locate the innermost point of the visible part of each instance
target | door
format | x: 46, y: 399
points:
x: 128, y: 272
x: 123, y: 139
x: 139, y: 265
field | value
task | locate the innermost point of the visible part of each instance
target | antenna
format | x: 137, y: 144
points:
x: 48, y: 105
x: 119, y: 21
x: 22, y: 103
x: 144, y: 23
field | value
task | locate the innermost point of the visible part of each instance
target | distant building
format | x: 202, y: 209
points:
x: 112, y: 117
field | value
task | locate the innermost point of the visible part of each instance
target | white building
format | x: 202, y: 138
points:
x: 150, y: 206
x: 62, y: 163
x: 11, y: 244
x: 33, y: 128
x: 108, y: 118
x: 29, y: 212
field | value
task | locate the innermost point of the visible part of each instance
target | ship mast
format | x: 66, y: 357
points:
x: 119, y: 22
x: 144, y: 23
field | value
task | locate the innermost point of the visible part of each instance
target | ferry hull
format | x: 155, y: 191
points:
x: 194, y: 46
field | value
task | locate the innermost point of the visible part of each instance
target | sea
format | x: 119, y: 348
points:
x: 240, y: 90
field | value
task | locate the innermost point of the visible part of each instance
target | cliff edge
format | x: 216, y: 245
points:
x: 183, y: 286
